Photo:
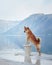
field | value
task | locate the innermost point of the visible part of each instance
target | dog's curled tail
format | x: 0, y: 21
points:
x: 38, y: 39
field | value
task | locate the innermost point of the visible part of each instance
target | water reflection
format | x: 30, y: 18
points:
x: 37, y: 61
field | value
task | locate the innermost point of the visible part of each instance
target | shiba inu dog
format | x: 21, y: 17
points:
x: 32, y: 38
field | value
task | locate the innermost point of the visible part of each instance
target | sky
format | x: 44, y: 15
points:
x: 20, y: 9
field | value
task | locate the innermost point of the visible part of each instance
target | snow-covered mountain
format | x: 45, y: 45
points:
x: 6, y: 25
x: 41, y: 26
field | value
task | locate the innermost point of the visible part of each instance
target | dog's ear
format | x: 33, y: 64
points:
x: 24, y: 27
x: 27, y: 27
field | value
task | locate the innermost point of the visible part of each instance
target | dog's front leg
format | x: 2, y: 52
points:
x: 27, y: 41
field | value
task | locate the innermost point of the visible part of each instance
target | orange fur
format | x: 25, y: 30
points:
x: 32, y: 38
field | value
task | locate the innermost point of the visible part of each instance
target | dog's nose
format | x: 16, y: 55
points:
x: 24, y: 31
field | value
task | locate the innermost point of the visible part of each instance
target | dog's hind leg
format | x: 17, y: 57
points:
x: 38, y: 49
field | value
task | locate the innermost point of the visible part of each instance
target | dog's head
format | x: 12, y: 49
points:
x: 26, y: 29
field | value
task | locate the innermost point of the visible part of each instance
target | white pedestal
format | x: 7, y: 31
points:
x: 27, y: 48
